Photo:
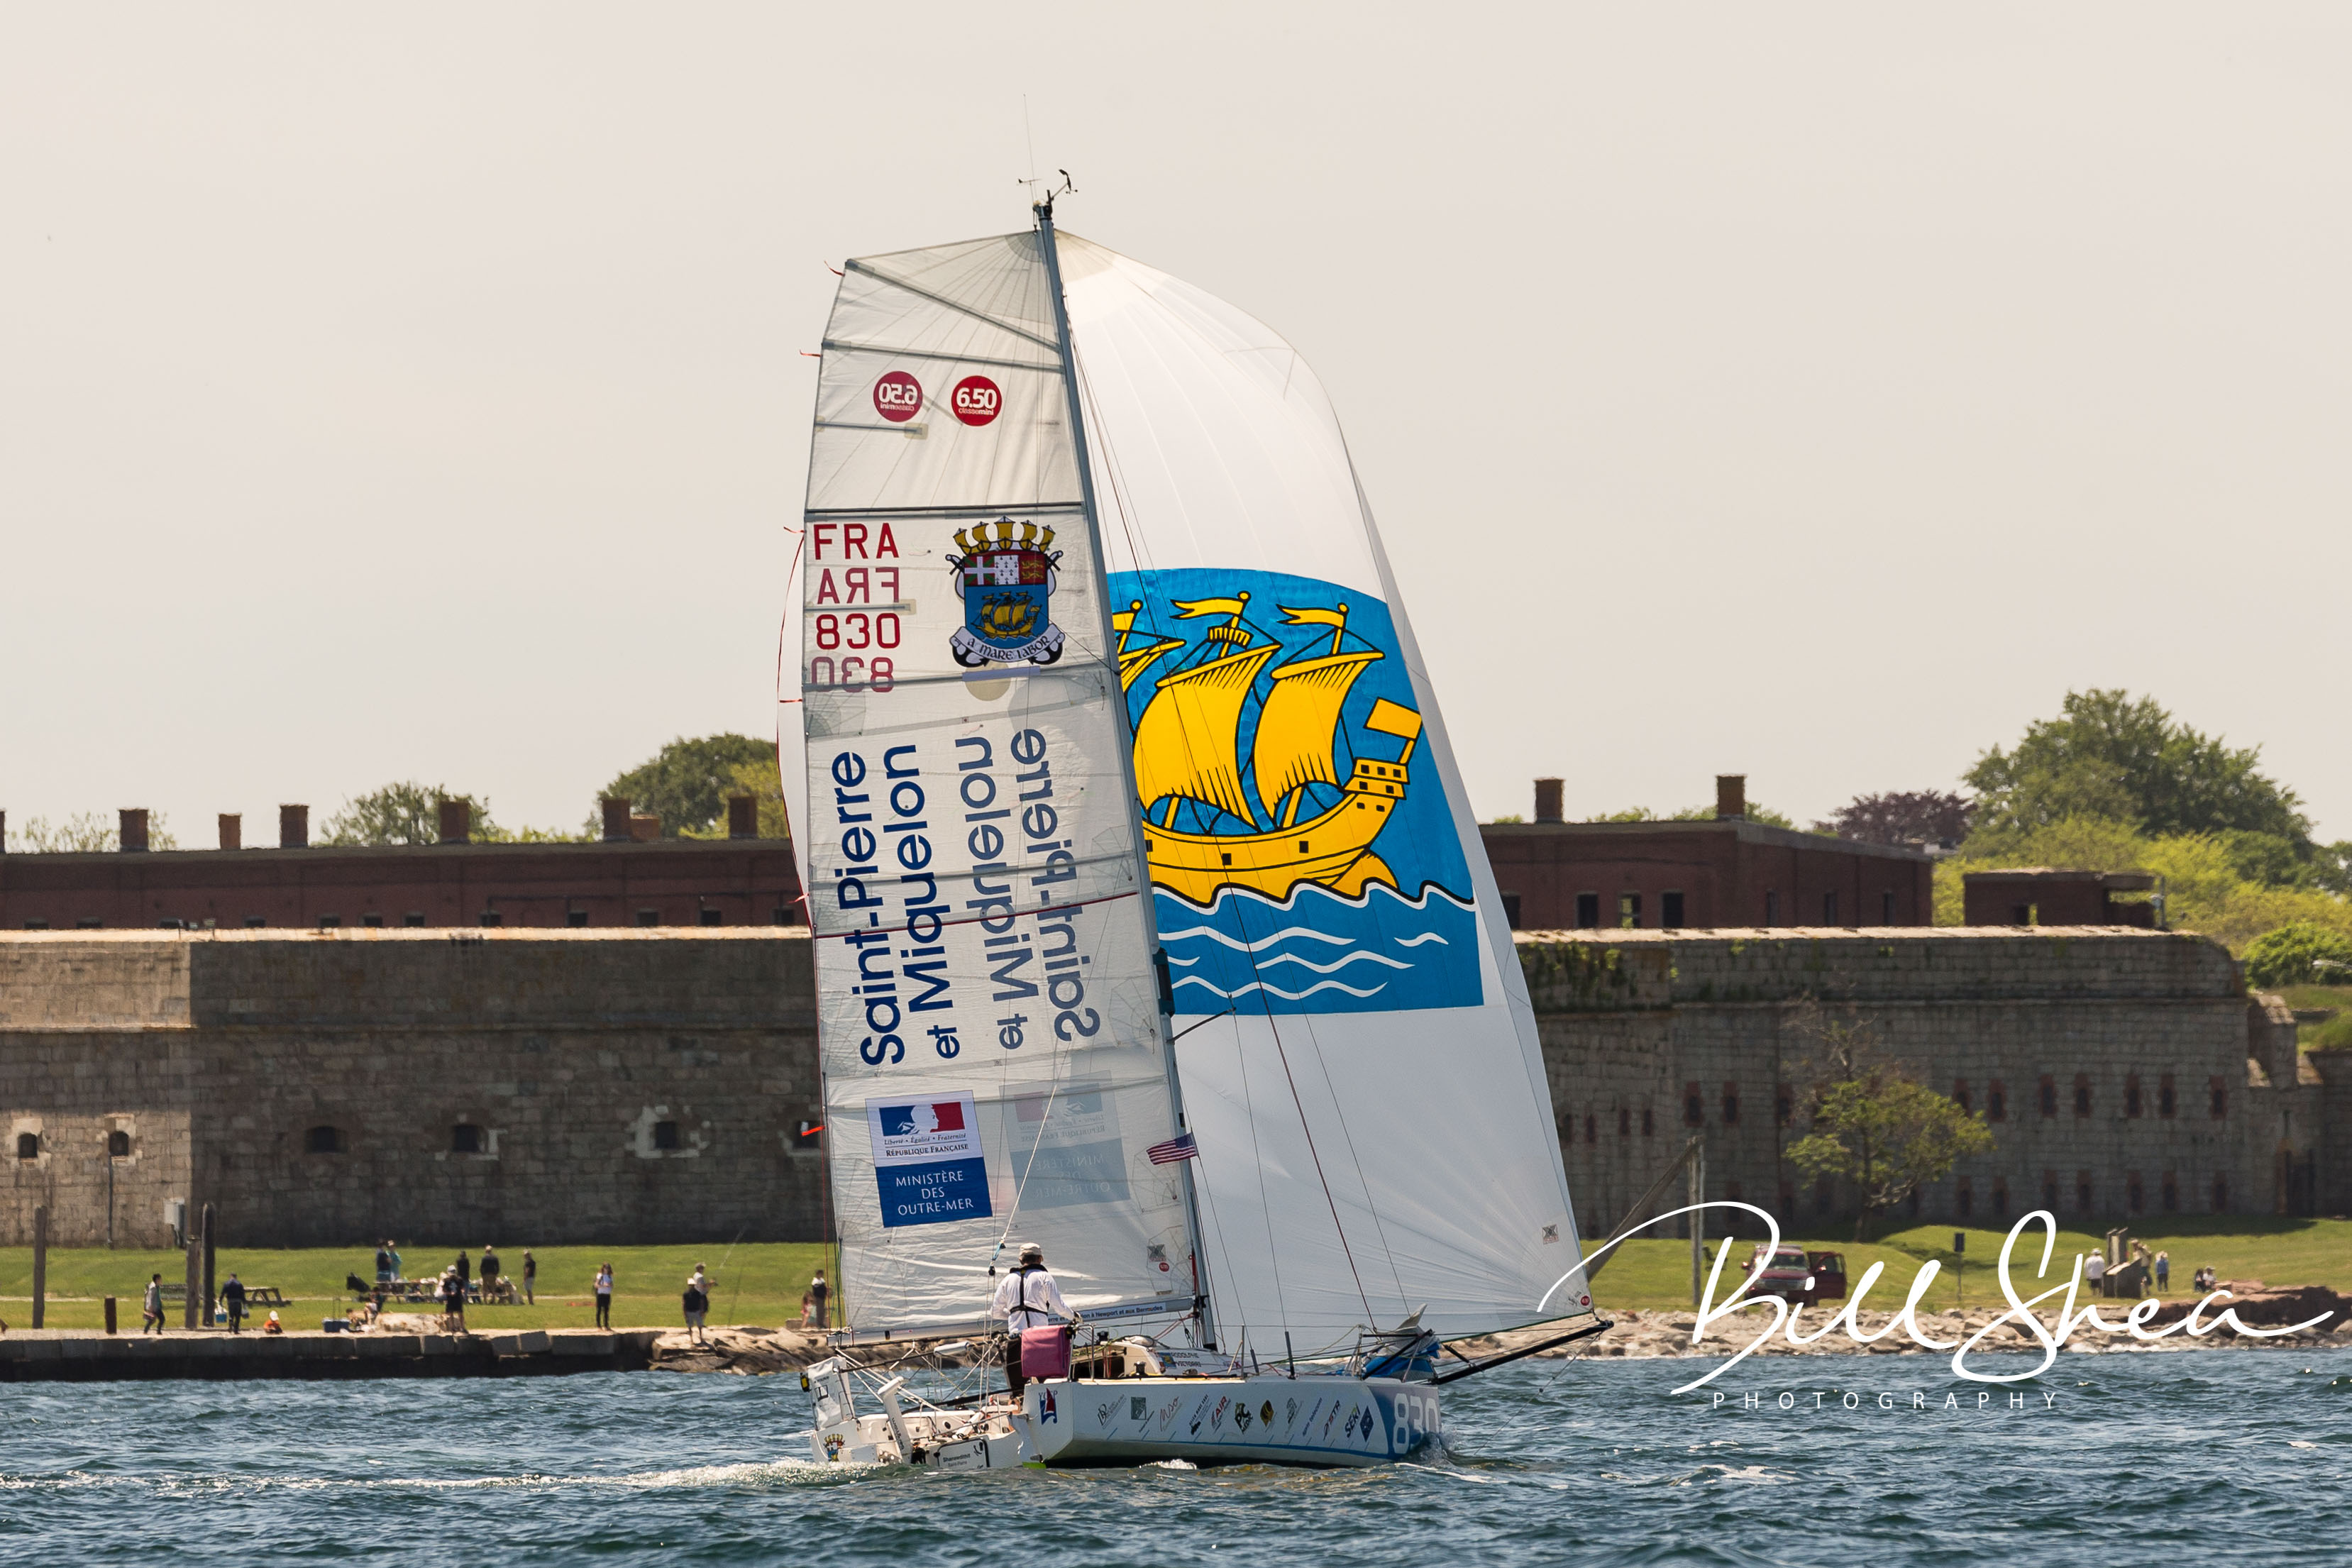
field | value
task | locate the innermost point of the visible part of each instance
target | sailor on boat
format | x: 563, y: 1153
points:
x: 1026, y: 1299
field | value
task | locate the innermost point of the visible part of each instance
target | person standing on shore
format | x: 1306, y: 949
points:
x: 465, y: 1266
x: 2163, y: 1272
x: 2095, y: 1273
x: 530, y: 1277
x: 383, y: 1263
x: 696, y: 1301
x: 152, y: 1308
x: 818, y: 1292
x: 394, y: 1248
x: 452, y: 1297
x: 604, y: 1297
x: 489, y: 1270
x: 233, y: 1299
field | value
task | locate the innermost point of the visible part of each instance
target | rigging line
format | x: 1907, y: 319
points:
x: 1021, y: 1187
x: 1241, y: 917
x: 1348, y: 1136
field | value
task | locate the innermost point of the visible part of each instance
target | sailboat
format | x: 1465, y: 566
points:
x: 1150, y: 921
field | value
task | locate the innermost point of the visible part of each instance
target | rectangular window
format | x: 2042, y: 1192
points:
x: 2049, y: 1095
x: 1960, y: 1096
x: 2081, y: 1094
x: 2221, y: 1104
x: 1996, y: 1102
x: 1829, y: 909
x: 2167, y: 1102
x: 1624, y: 1122
x: 1511, y: 910
x: 2131, y: 1094
x: 2000, y: 1197
x: 464, y: 1139
x: 1693, y: 1106
x: 1587, y: 911
x: 1629, y: 911
x: 1784, y: 1104
x: 1886, y: 908
x: 1771, y: 906
x: 1591, y: 1125
x: 2050, y: 1191
x: 1670, y: 912
x: 1649, y: 1124
x: 1731, y: 1105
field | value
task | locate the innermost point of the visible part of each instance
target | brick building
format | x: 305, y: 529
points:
x: 623, y: 881
x: 1557, y: 875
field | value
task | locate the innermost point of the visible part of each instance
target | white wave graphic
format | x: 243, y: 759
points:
x: 1313, y: 890
x: 1425, y: 936
x: 1278, y: 991
x: 1328, y: 968
x: 1287, y: 932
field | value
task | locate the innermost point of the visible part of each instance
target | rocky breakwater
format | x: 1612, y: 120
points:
x: 743, y: 1350
x: 1637, y: 1336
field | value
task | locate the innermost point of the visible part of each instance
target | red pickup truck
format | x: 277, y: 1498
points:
x: 1793, y: 1273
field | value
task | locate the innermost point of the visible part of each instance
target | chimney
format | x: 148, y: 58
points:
x: 293, y: 827
x: 1547, y: 801
x: 646, y: 827
x: 134, y: 830
x: 742, y: 817
x: 617, y: 818
x: 232, y: 830
x: 1731, y: 798
x: 456, y: 820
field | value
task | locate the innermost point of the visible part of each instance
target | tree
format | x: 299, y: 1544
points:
x: 688, y: 781
x: 88, y: 833
x: 1764, y: 814
x: 2107, y: 755
x: 1889, y: 1136
x: 403, y: 812
x: 2299, y: 954
x: 1901, y: 816
x: 1872, y: 1124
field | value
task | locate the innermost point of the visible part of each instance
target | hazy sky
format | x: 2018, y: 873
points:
x: 1812, y: 392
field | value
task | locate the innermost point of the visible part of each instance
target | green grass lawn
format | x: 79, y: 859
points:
x: 757, y: 1283
x: 2336, y: 1031
x: 1652, y: 1274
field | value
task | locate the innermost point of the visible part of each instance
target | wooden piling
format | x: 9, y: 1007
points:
x: 207, y: 1320
x: 110, y: 1315
x: 195, y: 1273
x: 40, y: 1264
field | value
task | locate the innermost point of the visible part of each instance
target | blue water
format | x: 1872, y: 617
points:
x: 2145, y: 1459
x: 1316, y: 952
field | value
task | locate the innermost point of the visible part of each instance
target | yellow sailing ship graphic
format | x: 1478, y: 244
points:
x: 1188, y: 749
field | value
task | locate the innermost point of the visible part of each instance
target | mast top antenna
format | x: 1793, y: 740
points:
x: 1044, y: 208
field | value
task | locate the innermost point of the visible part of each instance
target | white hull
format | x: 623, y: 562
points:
x: 1328, y: 1421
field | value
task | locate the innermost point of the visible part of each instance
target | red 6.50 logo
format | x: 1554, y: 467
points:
x: 898, y: 397
x: 976, y: 400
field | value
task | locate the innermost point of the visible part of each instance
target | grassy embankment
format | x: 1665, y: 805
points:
x: 759, y: 1283
x: 1656, y: 1274
x: 762, y: 1283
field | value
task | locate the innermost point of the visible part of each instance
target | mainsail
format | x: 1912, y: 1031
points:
x: 994, y: 1053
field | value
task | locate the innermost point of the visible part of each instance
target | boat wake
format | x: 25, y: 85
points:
x: 1374, y: 952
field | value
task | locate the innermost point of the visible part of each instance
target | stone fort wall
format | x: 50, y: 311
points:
x: 531, y: 1086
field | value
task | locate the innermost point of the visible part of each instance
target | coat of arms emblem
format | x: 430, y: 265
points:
x: 1005, y: 577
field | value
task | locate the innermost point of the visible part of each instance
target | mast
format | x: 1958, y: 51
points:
x: 1111, y: 643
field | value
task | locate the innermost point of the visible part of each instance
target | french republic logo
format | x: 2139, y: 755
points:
x: 928, y: 1166
x: 976, y: 400
x: 915, y: 1121
x: 897, y: 396
x: 1005, y: 577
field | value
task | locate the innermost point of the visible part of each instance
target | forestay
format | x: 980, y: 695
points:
x: 1374, y: 1124
x: 988, y: 1012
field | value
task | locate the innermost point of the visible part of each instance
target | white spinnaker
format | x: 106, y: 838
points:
x: 1431, y: 1133
x: 995, y: 838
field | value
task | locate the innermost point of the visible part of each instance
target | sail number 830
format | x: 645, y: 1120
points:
x: 849, y: 633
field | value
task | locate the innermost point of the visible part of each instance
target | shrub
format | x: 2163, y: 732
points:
x: 2299, y: 954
